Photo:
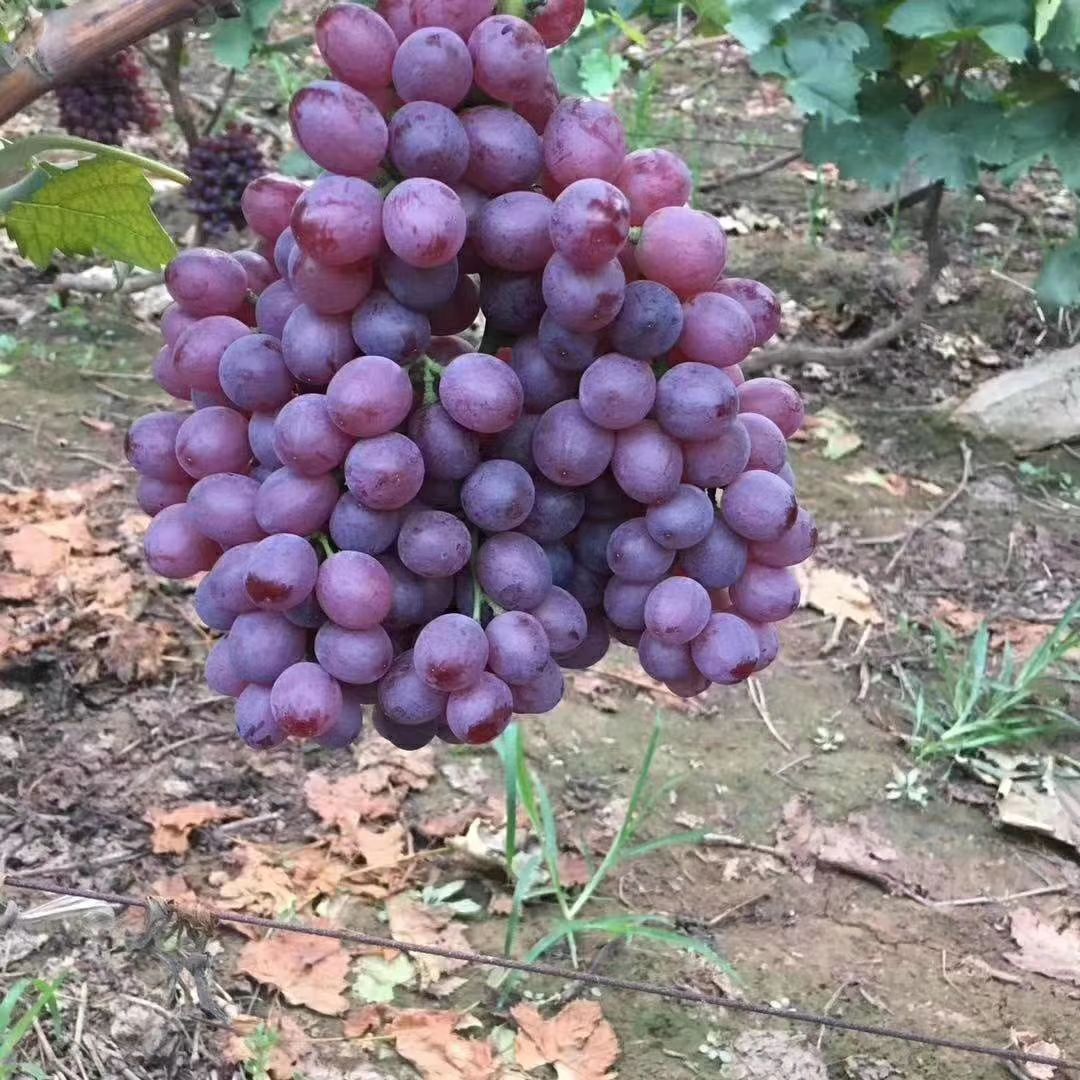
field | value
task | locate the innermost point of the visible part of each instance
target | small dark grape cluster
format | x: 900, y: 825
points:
x: 220, y: 167
x: 109, y: 100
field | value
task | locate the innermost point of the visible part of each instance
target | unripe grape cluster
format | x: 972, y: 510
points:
x: 221, y: 167
x: 108, y: 100
x: 399, y: 519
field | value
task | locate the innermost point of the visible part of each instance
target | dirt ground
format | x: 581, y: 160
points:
x: 817, y: 890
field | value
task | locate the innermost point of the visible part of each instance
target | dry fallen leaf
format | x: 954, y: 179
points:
x: 364, y: 1021
x: 18, y: 587
x: 34, y: 552
x: 1044, y: 948
x: 1031, y: 1042
x: 173, y: 828
x: 836, y: 433
x: 377, y: 847
x: 578, y: 1041
x: 840, y: 594
x: 261, y: 888
x: 415, y: 922
x: 429, y: 1042
x: 309, y: 971
x: 285, y: 1056
x: 893, y: 483
x: 1024, y: 805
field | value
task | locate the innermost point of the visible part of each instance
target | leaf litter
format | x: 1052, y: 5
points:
x: 1045, y: 948
x: 577, y: 1041
x: 173, y: 828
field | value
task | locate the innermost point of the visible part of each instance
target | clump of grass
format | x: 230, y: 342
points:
x: 975, y: 703
x: 22, y: 1005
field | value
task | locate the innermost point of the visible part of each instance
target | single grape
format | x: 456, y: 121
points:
x: 695, y: 402
x: 153, y: 495
x: 556, y: 511
x: 726, y: 651
x: 450, y: 452
x: 617, y: 391
x: 542, y: 694
x: 210, y: 609
x: 633, y: 554
x: 777, y: 400
x: 718, y: 560
x: 354, y: 590
x: 198, y: 351
x: 398, y: 16
x: 676, y: 611
x: 213, y: 440
x: 408, y: 599
x: 760, y: 304
x: 569, y: 449
x: 563, y: 620
x: 481, y: 712
x: 460, y: 311
x: 386, y: 472
x: 423, y: 222
x: 624, y: 602
x: 290, y: 503
x: 765, y: 593
x: 403, y: 736
x: 220, y: 674
x: 174, y: 546
x: 433, y: 544
x: 689, y: 688
x: 356, y: 528
x: 586, y: 587
x: 357, y: 44
x: 223, y: 588
x: 716, y: 330
x: 504, y: 151
x: 223, y: 508
x: 715, y: 463
x: 566, y: 349
x: 255, y: 722
x: 284, y: 246
x: 561, y: 560
x: 306, y: 439
x: 432, y: 64
x: 267, y: 204
x: 513, y: 303
x: 592, y: 650
x: 150, y: 446
x: 513, y: 570
x: 584, y: 139
x: 651, y: 179
x: 354, y: 656
x: 167, y: 377
x: 420, y: 288
x: 555, y: 21
x: 664, y: 659
x: 768, y: 643
x: 461, y: 16
x: 497, y: 496
x: 383, y: 327
x: 583, y: 300
x: 338, y: 128
x: 258, y: 269
x: 787, y: 474
x: 406, y: 699
x: 518, y: 649
x: 368, y: 396
x: 345, y: 730
x: 589, y: 223
x: 649, y: 321
x: 682, y: 248
x: 338, y: 220
x: 606, y: 501
x: 307, y: 613
x: 206, y: 281
x: 647, y: 463
x: 515, y: 443
x: 538, y: 107
x: 758, y: 505
x: 315, y: 346
x: 174, y: 321
x: 329, y: 290
x: 281, y: 571
x: 253, y: 373
x: 591, y: 543
x: 481, y: 393
x: 683, y: 519
x: 305, y: 700
x: 542, y: 383
x: 512, y: 231
x: 794, y: 546
x: 262, y: 644
x: 768, y: 447
x: 450, y: 652
x: 509, y: 58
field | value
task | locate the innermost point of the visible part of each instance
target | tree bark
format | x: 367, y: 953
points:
x: 55, y: 47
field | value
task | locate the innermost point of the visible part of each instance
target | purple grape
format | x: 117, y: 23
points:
x: 589, y: 223
x: 583, y: 300
x: 624, y: 602
x: 647, y: 462
x: 542, y: 383
x: 338, y: 221
x: 482, y: 711
x: 716, y: 330
x: 383, y: 327
x: 386, y: 472
x: 513, y: 303
x: 676, y: 611
x: 423, y: 222
x: 515, y: 443
x: 794, y: 546
x: 306, y: 439
x: 198, y: 351
x: 765, y: 593
x: 556, y: 512
x: 590, y: 544
x: 777, y: 400
x: 427, y: 139
x: 153, y: 495
x: 569, y: 449
x: 267, y: 204
x: 497, y: 495
x: 174, y: 546
x: 509, y: 58
x: 450, y: 452
x: 504, y: 151
x: 206, y: 282
x: 695, y: 402
x: 683, y: 519
x: 354, y: 656
x: 275, y: 304
x: 420, y: 288
x: 563, y: 620
x: 405, y: 698
x: 369, y: 396
x: 663, y: 659
x: 357, y: 45
x: 403, y: 736
x: 584, y: 139
x: 354, y: 590
x: 253, y: 374
x: 592, y: 650
x: 715, y: 463
x: 223, y: 508
x: 220, y: 675
x: 433, y: 64
x: 787, y: 474
x: 290, y: 503
x: 356, y: 528
x: 150, y: 446
x: 450, y: 652
x: 513, y: 570
x: 338, y: 128
x: 481, y: 393
x: 651, y: 179
x: 565, y: 349
x: 518, y: 648
x: 542, y: 694
x: 433, y: 544
x: 718, y: 560
x: 561, y: 559
x: 174, y: 321
x: 681, y: 248
x: 634, y: 555
x: 649, y: 321
x: 768, y: 447
x: 305, y: 700
x: 281, y: 572
x: 726, y: 651
x: 307, y: 613
x: 617, y: 392
x: 329, y: 290
x: 315, y: 346
x: 758, y: 505
x: 460, y: 311
x: 262, y: 644
x: 586, y: 587
x: 255, y: 722
x: 759, y: 302
x: 768, y: 643
x: 512, y: 231
x: 345, y: 730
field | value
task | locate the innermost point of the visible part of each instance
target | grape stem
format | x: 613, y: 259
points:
x: 432, y: 373
x: 321, y: 540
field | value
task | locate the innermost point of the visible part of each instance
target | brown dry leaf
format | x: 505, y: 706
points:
x: 578, y: 1041
x: 309, y: 971
x: 957, y: 618
x: 315, y: 872
x: 1031, y: 1042
x: 573, y: 869
x: 173, y: 828
x: 346, y: 802
x: 454, y: 823
x: 840, y: 594
x: 102, y: 427
x: 261, y: 887
x: 33, y: 552
x: 428, y: 1040
x: 1056, y: 814
x: 895, y: 484
x: 835, y: 432
x: 18, y: 587
x: 1044, y: 948
x: 412, y: 921
x: 376, y: 847
x: 361, y: 1022
x: 286, y: 1056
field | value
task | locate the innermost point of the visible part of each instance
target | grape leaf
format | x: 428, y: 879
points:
x: 1058, y: 285
x: 1062, y: 37
x: 233, y: 41
x: 1045, y: 10
x: 1010, y: 40
x: 1048, y: 128
x: 600, y: 72
x: 100, y: 205
x: 754, y: 22
x: 712, y: 16
x: 931, y: 18
x: 952, y: 142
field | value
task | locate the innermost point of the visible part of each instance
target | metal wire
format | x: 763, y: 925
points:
x: 673, y: 993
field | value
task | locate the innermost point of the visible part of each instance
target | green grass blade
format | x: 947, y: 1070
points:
x: 11, y: 1000
x: 694, y: 836
x: 509, y: 748
x: 526, y: 878
x: 18, y: 1031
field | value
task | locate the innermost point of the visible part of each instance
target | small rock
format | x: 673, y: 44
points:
x: 994, y: 492
x: 10, y: 699
x: 139, y: 1027
x: 9, y: 749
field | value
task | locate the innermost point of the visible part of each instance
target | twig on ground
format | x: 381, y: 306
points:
x: 752, y: 173
x: 757, y: 699
x: 101, y: 280
x: 972, y: 901
x: 934, y: 514
x: 750, y: 901
x: 886, y: 210
x: 110, y: 466
x: 828, y: 1007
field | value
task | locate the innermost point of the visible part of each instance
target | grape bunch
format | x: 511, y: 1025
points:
x: 108, y: 100
x: 398, y: 518
x: 221, y: 167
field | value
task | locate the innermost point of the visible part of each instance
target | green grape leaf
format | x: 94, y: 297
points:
x: 932, y: 18
x: 1010, y: 40
x: 870, y: 149
x: 713, y: 16
x: 1045, y: 10
x: 754, y: 22
x: 1049, y: 128
x: 1058, y: 285
x: 1061, y: 40
x: 600, y: 72
x: 233, y: 42
x: 376, y: 979
x: 261, y: 13
x: 953, y: 142
x: 99, y: 206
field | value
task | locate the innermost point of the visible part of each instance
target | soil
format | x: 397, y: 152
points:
x: 82, y: 764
